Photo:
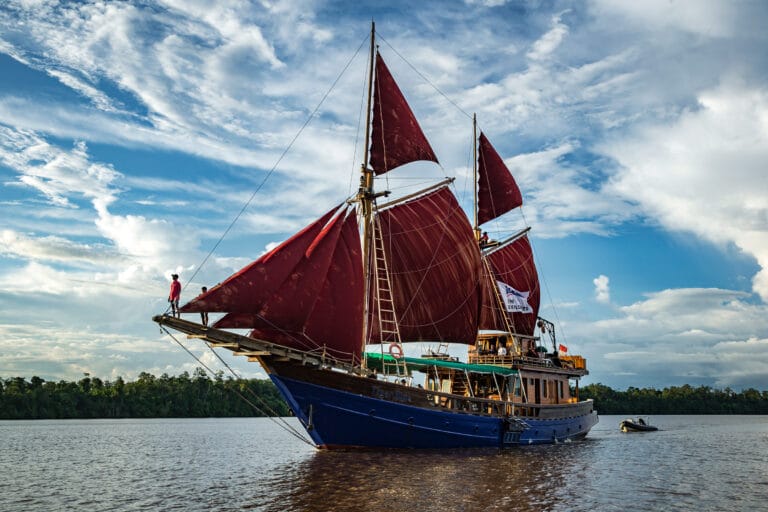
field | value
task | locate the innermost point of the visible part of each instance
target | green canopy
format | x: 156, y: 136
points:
x: 420, y: 364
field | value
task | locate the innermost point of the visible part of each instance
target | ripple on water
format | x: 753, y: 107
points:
x: 693, y: 463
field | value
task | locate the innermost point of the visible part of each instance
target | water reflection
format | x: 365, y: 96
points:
x: 528, y: 478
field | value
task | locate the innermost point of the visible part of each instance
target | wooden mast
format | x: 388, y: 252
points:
x: 366, y: 197
x: 475, y: 184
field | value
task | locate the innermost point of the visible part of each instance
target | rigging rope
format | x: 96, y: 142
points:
x: 441, y: 93
x: 280, y: 422
x: 537, y: 262
x: 280, y: 159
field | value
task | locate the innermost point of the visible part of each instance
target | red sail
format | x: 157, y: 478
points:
x: 255, y: 283
x: 396, y: 137
x: 514, y: 266
x: 498, y: 193
x: 314, y: 302
x: 434, y: 268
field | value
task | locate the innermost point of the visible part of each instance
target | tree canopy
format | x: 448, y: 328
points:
x: 199, y: 396
x: 147, y: 397
x: 684, y: 399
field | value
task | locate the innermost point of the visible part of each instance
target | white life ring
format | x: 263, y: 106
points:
x: 395, y: 350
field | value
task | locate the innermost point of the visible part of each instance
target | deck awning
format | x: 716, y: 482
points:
x: 421, y: 364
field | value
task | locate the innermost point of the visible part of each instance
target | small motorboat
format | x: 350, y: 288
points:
x: 636, y: 425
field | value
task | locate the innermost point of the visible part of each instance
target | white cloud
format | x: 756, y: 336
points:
x: 68, y: 353
x: 602, y: 290
x: 58, y: 174
x: 704, y: 172
x: 690, y: 335
x: 558, y: 199
x: 55, y: 248
x: 713, y: 18
x: 548, y: 43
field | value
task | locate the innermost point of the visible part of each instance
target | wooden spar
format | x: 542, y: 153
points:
x: 366, y: 197
x: 240, y: 344
x: 415, y: 194
x: 251, y: 353
x: 509, y: 240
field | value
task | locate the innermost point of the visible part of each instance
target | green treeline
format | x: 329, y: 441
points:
x: 147, y: 397
x: 676, y: 400
x: 200, y: 396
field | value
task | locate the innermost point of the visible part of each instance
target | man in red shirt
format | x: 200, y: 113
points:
x: 175, y: 295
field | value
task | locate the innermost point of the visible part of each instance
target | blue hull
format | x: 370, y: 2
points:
x: 341, y: 419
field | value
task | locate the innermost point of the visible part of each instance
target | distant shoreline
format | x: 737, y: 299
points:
x: 684, y: 399
x: 198, y: 396
x: 183, y: 396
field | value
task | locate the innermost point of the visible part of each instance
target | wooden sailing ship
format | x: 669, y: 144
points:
x: 371, y: 273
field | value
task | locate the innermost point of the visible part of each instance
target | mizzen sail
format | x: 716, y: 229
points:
x: 498, y: 192
x: 511, y: 289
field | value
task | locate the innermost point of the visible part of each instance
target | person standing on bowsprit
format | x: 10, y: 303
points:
x: 175, y: 295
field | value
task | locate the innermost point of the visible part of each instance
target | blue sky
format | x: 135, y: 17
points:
x: 132, y: 133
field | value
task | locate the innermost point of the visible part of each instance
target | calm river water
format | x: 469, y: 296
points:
x: 694, y: 463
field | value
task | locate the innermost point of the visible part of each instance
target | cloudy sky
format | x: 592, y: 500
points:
x: 133, y: 133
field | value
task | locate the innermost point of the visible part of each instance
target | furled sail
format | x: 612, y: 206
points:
x: 498, y: 192
x: 434, y: 268
x: 396, y: 136
x: 513, y: 279
x: 307, y: 293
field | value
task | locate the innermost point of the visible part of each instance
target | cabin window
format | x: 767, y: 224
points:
x: 516, y: 387
x: 446, y: 385
x: 545, y: 387
x: 431, y: 384
x: 560, y: 388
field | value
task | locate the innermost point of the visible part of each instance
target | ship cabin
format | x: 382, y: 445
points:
x: 523, y: 372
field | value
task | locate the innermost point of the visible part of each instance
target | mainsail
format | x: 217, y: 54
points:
x: 434, y: 268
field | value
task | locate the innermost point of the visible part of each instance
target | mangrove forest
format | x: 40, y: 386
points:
x: 198, y: 396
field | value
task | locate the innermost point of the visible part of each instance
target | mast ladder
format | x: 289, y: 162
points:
x: 388, y: 326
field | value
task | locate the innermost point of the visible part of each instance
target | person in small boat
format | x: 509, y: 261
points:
x: 175, y: 295
x: 640, y: 421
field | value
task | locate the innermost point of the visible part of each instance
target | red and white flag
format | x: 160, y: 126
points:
x: 562, y: 348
